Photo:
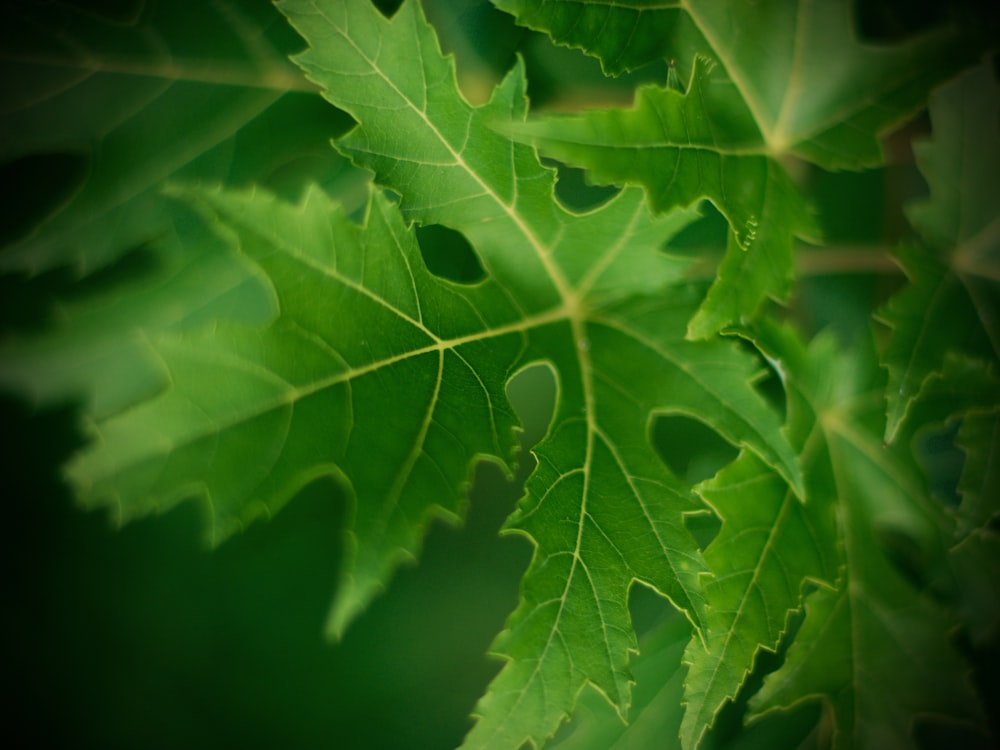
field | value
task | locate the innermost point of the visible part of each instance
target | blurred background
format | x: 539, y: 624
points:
x: 143, y: 637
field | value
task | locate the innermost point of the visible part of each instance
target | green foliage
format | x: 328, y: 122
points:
x: 286, y: 330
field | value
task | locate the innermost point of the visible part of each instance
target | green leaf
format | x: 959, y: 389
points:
x: 822, y: 96
x: 876, y: 650
x: 110, y: 90
x: 250, y: 416
x: 590, y: 495
x: 967, y: 391
x: 770, y: 545
x: 265, y: 319
x: 951, y: 303
x: 979, y: 438
x: 683, y: 147
x: 769, y: 548
x: 976, y: 562
x: 813, y: 87
x: 623, y: 35
x: 655, y: 713
x: 97, y: 351
x: 392, y: 380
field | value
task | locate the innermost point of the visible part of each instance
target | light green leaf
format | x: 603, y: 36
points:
x: 110, y: 89
x: 951, y: 303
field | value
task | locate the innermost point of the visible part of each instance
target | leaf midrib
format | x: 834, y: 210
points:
x: 274, y: 75
x: 779, y: 142
x: 562, y: 286
x: 291, y: 394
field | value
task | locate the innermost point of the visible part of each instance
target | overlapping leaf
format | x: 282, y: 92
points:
x: 108, y: 90
x: 791, y: 79
x: 656, y: 707
x: 623, y: 35
x: 812, y: 86
x: 601, y: 508
x: 770, y: 546
x: 953, y: 299
x: 308, y: 345
x: 94, y: 351
x: 683, y: 147
x: 392, y: 380
x: 139, y: 93
x: 353, y: 378
x: 877, y: 648
x: 966, y: 392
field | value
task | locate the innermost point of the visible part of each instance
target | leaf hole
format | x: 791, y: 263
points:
x: 942, y: 460
x: 387, y: 8
x: 691, y: 449
x: 704, y: 238
x: 704, y: 527
x: 44, y: 182
x: 649, y: 609
x: 532, y: 391
x: 575, y: 191
x: 449, y: 255
x: 772, y: 388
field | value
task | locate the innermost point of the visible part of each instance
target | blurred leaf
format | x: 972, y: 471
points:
x: 812, y: 86
x: 117, y: 89
x: 953, y: 300
x: 876, y: 650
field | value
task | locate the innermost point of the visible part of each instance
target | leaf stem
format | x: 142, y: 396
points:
x: 830, y: 260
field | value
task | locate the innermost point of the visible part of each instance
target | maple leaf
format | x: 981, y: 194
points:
x: 951, y: 303
x: 378, y: 373
x: 943, y: 353
x: 279, y: 337
x: 824, y: 97
x: 129, y: 98
x: 107, y: 90
x: 876, y: 648
x: 873, y: 647
x: 770, y: 546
